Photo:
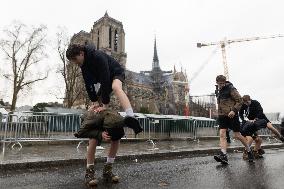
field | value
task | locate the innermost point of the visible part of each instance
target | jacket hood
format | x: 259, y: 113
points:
x: 90, y: 48
x: 229, y: 85
x: 89, y: 52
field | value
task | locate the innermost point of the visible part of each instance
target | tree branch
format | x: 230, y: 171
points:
x: 33, y: 81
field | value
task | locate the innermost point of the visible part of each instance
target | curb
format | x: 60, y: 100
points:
x: 127, y: 158
x: 123, y: 140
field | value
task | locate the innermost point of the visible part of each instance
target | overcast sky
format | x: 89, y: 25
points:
x: 255, y: 68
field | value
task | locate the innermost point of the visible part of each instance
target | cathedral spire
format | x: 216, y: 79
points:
x: 155, y: 58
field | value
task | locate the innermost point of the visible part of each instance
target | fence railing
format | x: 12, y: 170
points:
x: 48, y: 127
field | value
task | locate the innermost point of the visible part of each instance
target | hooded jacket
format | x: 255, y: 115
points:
x: 93, y: 124
x: 228, y: 99
x: 98, y: 67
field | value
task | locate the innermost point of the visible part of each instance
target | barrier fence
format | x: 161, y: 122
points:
x: 57, y: 127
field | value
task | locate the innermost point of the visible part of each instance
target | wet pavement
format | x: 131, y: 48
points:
x: 37, y: 153
x: 179, y: 172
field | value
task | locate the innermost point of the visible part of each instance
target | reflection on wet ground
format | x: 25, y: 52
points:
x: 70, y: 151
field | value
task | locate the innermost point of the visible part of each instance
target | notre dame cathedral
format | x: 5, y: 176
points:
x: 153, y: 91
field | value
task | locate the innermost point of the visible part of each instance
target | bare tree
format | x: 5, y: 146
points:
x: 74, y: 88
x: 24, y: 49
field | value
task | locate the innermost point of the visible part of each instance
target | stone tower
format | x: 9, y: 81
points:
x: 156, y: 73
x: 108, y: 35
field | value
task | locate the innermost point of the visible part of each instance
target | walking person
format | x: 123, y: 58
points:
x: 229, y: 103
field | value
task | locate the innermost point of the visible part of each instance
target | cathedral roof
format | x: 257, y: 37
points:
x: 81, y: 37
x: 145, y: 79
x: 82, y: 33
x: 139, y: 78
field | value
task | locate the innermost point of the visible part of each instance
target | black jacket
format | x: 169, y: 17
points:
x: 98, y: 67
x: 253, y: 111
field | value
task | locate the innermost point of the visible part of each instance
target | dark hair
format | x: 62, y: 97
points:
x: 246, y: 98
x: 220, y: 78
x: 74, y: 50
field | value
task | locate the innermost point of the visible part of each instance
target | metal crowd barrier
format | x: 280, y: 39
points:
x: 267, y: 132
x: 8, y: 131
x: 3, y: 129
x: 206, y: 128
x: 14, y: 129
x: 57, y: 127
x: 175, y: 128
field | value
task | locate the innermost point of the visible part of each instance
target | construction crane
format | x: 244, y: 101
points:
x: 226, y: 42
x: 202, y: 66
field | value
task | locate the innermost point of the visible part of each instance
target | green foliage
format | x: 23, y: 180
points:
x: 144, y: 110
x: 39, y: 107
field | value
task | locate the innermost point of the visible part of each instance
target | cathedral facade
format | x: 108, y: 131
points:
x: 153, y: 91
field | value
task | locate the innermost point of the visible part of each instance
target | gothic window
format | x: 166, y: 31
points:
x: 109, y: 37
x: 115, y: 40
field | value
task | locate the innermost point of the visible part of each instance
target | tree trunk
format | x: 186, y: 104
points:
x: 14, y: 101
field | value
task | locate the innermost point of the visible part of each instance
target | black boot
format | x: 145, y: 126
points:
x: 133, y: 123
x: 222, y: 158
x: 250, y: 156
x: 261, y: 151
